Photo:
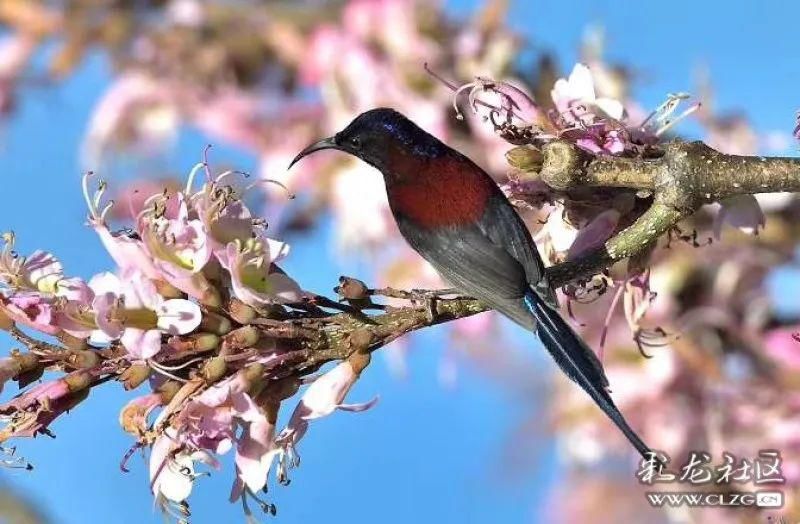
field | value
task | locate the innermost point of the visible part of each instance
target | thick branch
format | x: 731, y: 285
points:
x: 687, y: 176
x: 567, y: 167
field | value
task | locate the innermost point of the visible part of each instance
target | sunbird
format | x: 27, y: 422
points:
x: 456, y: 217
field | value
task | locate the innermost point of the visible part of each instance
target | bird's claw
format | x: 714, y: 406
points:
x: 430, y: 308
x: 429, y: 297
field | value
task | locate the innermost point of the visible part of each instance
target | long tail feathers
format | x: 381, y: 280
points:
x: 580, y: 363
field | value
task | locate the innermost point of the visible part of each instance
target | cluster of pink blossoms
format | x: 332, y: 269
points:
x: 596, y: 124
x: 189, y: 258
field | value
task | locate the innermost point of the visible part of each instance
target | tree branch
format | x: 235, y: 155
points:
x: 686, y: 176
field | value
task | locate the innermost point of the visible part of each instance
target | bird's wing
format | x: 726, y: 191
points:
x: 471, y: 261
x: 501, y: 223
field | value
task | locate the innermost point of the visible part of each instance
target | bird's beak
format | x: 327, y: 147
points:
x: 325, y: 143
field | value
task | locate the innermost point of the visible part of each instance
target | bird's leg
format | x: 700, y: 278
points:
x: 429, y: 297
x: 430, y: 307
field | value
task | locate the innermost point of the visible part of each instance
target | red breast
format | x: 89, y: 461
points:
x: 441, y: 192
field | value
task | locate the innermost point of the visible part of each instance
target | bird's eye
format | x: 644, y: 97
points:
x: 355, y: 142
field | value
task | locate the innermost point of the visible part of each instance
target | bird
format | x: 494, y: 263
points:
x: 455, y: 216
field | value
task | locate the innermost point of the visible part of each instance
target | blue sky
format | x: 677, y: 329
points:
x: 423, y: 453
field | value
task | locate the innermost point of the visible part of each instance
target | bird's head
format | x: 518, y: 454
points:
x: 383, y: 138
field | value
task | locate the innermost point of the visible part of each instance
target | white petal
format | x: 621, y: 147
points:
x: 562, y: 234
x: 106, y: 282
x: 359, y: 406
x: 611, y: 107
x: 277, y: 249
x: 326, y: 393
x: 140, y: 292
x: 99, y: 337
x: 581, y: 85
x: 284, y: 287
x: 140, y: 343
x: 159, y: 453
x: 44, y: 270
x: 178, y: 316
x: 176, y: 479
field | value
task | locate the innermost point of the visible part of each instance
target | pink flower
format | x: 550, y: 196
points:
x: 178, y: 245
x: 172, y: 473
x: 227, y: 406
x: 40, y: 271
x: 210, y: 423
x: 509, y: 102
x: 601, y: 137
x: 255, y: 452
x: 75, y: 315
x: 254, y: 279
x: 173, y: 247
x: 224, y: 216
x: 575, y: 99
x: 135, y: 313
x: 31, y: 309
x: 324, y: 396
x: 32, y: 411
x: 128, y: 252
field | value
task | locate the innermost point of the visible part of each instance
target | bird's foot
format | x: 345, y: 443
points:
x: 429, y: 298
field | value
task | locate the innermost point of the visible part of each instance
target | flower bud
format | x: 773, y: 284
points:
x: 254, y: 377
x: 253, y: 372
x: 134, y: 376
x: 167, y: 290
x: 211, y: 298
x: 196, y: 342
x: 241, y: 312
x: 168, y: 389
x: 525, y: 158
x: 214, y: 369
x: 83, y: 359
x: 214, y: 323
x: 78, y: 381
x: 240, y: 338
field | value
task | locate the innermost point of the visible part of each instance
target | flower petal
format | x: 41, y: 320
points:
x: 178, y: 316
x: 140, y: 343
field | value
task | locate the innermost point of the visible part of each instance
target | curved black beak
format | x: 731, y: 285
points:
x: 325, y: 143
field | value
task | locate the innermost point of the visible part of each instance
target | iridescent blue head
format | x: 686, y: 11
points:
x: 381, y: 137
